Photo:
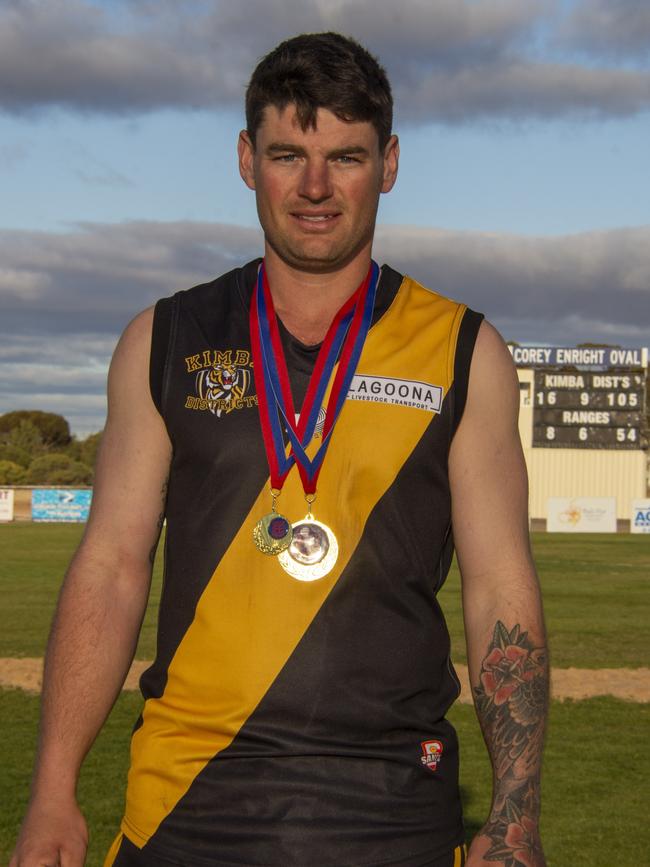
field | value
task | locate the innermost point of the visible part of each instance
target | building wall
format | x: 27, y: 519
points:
x: 577, y: 472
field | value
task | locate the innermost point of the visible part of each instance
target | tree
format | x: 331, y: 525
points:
x: 89, y: 448
x: 9, y: 452
x: 54, y: 429
x: 24, y: 436
x: 12, y: 473
x: 58, y: 469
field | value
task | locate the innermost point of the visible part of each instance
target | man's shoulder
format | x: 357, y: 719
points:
x: 236, y: 282
x: 427, y: 293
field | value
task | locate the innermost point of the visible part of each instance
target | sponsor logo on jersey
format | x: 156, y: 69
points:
x: 432, y: 753
x: 222, y: 380
x: 401, y: 392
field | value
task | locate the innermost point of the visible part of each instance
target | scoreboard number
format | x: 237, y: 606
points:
x: 589, y: 409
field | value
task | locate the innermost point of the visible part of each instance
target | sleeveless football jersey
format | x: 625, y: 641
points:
x: 303, y: 723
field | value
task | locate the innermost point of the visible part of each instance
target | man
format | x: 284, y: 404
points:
x: 295, y: 711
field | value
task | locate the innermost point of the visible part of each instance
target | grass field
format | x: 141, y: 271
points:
x: 596, y: 590
x: 596, y: 600
x: 34, y: 559
x: 596, y: 766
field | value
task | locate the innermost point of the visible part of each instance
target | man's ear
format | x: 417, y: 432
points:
x: 391, y: 164
x: 246, y: 152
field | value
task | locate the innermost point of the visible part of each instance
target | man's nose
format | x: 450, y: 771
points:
x: 315, y: 183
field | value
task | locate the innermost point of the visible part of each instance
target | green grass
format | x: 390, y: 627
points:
x: 596, y: 599
x: 596, y: 768
x: 596, y: 590
x: 102, y: 782
x: 595, y: 778
x: 33, y: 562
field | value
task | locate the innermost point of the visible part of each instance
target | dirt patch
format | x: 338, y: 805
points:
x: 27, y: 673
x: 632, y: 684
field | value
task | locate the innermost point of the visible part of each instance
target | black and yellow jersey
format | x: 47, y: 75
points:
x: 303, y: 723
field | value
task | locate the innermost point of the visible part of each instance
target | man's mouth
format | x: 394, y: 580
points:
x: 315, y: 219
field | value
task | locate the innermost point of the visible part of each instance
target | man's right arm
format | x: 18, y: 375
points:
x: 101, y: 604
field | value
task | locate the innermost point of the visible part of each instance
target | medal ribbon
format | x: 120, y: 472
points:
x: 345, y: 338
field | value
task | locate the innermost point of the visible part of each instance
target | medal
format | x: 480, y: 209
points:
x: 313, y: 551
x: 272, y: 534
x: 307, y: 550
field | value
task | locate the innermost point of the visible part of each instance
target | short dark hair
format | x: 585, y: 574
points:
x: 321, y: 70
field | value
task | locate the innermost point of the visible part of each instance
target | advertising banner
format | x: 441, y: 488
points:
x: 581, y: 515
x: 640, y: 520
x: 6, y: 504
x: 51, y: 504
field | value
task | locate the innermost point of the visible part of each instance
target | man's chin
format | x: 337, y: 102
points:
x: 316, y: 259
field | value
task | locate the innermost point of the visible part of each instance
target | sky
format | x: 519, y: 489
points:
x: 524, y: 185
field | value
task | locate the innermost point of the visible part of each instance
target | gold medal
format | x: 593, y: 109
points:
x: 312, y: 552
x: 272, y: 534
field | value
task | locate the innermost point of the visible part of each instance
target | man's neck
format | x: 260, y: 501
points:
x: 307, y: 302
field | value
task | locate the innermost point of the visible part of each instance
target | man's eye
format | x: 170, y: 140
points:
x: 285, y: 158
x: 345, y: 158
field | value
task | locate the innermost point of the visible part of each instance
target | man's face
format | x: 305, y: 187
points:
x: 317, y: 190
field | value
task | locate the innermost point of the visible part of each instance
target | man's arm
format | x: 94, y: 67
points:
x: 504, y: 625
x: 101, y: 604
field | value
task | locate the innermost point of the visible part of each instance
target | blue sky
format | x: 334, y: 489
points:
x: 523, y: 188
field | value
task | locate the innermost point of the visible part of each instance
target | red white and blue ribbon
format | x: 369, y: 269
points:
x: 343, y: 341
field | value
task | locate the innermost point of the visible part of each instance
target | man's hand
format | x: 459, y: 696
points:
x: 520, y: 848
x: 53, y: 834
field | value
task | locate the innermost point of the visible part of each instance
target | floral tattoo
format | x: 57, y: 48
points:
x: 511, y: 702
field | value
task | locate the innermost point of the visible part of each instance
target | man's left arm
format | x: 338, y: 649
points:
x: 504, y: 626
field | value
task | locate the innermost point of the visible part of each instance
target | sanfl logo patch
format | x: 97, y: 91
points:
x: 432, y: 754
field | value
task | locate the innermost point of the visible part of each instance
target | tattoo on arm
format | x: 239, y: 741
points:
x: 161, y: 519
x: 511, y: 702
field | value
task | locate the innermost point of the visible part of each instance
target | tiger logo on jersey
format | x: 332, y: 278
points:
x: 222, y: 381
x: 223, y: 387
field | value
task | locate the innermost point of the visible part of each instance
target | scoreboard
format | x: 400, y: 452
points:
x: 602, y: 409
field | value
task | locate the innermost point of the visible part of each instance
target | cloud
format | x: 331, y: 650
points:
x: 94, y: 278
x: 593, y: 286
x: 22, y: 283
x: 73, y: 293
x: 601, y: 28
x: 450, y: 61
x: 62, y: 374
x: 71, y: 53
x: 98, y: 276
x: 519, y: 90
